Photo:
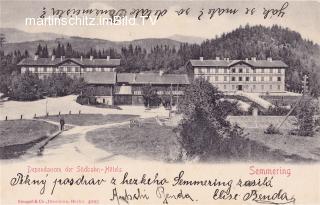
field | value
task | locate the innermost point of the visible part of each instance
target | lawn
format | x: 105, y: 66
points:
x: 150, y: 141
x: 90, y: 119
x: 17, y: 136
x: 306, y: 147
x: 23, y: 131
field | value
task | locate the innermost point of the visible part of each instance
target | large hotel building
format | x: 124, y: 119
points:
x: 248, y: 75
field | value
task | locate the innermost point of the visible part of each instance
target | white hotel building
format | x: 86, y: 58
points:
x: 252, y: 75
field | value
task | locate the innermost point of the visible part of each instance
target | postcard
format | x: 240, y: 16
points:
x: 159, y: 102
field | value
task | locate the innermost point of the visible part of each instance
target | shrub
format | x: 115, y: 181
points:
x: 271, y: 130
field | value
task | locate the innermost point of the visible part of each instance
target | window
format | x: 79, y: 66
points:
x: 254, y: 70
x: 98, y: 69
x: 279, y: 87
x: 247, y: 70
x: 89, y: 69
x: 253, y: 87
x: 262, y: 78
x: 23, y: 69
x: 262, y: 87
x: 254, y: 78
x: 216, y: 78
x: 45, y: 69
x: 225, y: 70
x: 240, y: 78
x: 233, y: 70
x: 233, y: 79
x: 240, y: 70
x: 233, y: 87
x: 225, y: 87
x: 279, y: 78
x: 208, y: 70
x: 270, y: 71
x: 68, y: 69
x: 225, y: 78
x: 270, y: 87
x: 270, y: 78
x: 279, y: 70
x: 247, y: 78
x: 262, y: 70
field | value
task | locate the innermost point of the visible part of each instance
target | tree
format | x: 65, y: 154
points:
x: 305, y: 118
x: 150, y: 96
x: 204, y: 124
x: 2, y: 39
x: 26, y: 86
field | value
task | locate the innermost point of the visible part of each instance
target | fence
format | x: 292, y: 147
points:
x: 21, y: 116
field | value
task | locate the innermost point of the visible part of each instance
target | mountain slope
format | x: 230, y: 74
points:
x: 16, y: 36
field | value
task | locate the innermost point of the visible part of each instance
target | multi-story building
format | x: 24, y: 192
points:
x: 74, y: 67
x: 127, y: 88
x: 241, y: 75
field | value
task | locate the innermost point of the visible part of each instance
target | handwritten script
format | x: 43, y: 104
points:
x: 178, y: 189
x: 203, y: 13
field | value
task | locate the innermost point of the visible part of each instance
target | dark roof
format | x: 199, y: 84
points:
x: 226, y: 63
x: 58, y: 61
x: 153, y: 78
x: 100, y: 77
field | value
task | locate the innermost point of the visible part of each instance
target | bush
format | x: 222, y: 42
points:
x: 271, y: 130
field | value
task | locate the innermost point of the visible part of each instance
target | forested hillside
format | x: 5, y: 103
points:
x: 302, y: 56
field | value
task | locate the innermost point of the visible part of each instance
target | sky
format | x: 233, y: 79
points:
x: 301, y: 16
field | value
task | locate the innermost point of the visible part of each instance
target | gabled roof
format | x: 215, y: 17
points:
x: 153, y: 78
x: 100, y: 77
x: 58, y: 61
x: 226, y: 63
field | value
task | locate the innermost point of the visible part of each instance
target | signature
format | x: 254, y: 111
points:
x: 277, y: 198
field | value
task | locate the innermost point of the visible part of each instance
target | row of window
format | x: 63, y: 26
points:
x: 237, y: 70
x: 241, y: 78
x: 253, y: 87
x: 63, y: 69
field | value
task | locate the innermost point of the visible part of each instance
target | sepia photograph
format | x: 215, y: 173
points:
x: 159, y: 102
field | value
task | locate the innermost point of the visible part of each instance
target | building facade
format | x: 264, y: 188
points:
x: 261, y: 76
x: 74, y: 67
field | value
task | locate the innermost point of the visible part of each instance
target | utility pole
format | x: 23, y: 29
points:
x: 305, y: 78
x: 305, y: 88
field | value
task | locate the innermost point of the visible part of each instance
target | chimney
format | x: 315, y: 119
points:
x: 217, y: 58
x: 108, y: 58
x: 201, y: 58
x: 36, y: 57
x: 254, y: 59
x: 161, y: 72
x: 53, y: 57
x: 269, y: 59
x: 91, y: 58
x: 247, y: 60
x: 81, y: 58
